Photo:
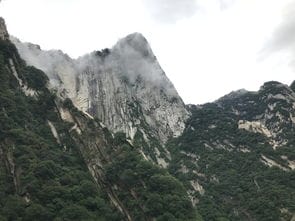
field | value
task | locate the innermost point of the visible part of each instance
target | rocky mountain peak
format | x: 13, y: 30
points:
x: 125, y: 87
x: 233, y: 95
x: 137, y: 42
x: 274, y: 87
x: 3, y: 30
x: 273, y: 91
x: 272, y: 84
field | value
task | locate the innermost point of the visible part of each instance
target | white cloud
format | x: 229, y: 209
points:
x: 225, y: 4
x: 170, y: 11
x: 283, y: 36
x: 206, y: 47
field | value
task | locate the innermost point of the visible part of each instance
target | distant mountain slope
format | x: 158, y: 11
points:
x: 237, y: 155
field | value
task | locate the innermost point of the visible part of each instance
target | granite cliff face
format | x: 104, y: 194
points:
x: 124, y: 87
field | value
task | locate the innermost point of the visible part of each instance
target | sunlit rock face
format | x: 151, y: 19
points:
x: 124, y: 86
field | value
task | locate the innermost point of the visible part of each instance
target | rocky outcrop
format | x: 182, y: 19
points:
x: 269, y: 111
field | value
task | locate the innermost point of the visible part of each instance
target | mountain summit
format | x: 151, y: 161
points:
x: 125, y: 87
x: 138, y: 42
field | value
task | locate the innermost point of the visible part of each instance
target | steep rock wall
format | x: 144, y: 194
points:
x: 125, y: 86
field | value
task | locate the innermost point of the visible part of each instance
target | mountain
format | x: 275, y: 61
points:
x: 107, y: 137
x: 124, y: 87
x: 57, y: 162
x: 237, y: 155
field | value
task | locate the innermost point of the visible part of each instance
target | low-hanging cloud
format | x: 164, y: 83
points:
x: 170, y: 11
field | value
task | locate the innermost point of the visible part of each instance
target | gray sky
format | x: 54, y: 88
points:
x: 206, y: 47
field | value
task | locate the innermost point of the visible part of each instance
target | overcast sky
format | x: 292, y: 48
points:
x: 207, y: 48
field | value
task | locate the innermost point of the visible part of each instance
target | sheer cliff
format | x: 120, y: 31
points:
x: 124, y: 87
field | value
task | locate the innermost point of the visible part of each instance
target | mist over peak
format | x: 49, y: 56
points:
x: 112, y: 80
x: 135, y: 37
x: 137, y: 42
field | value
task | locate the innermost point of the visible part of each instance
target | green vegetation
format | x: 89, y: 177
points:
x: 43, y: 177
x: 145, y: 189
x: 35, y: 78
x: 39, y: 178
x: 238, y: 186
